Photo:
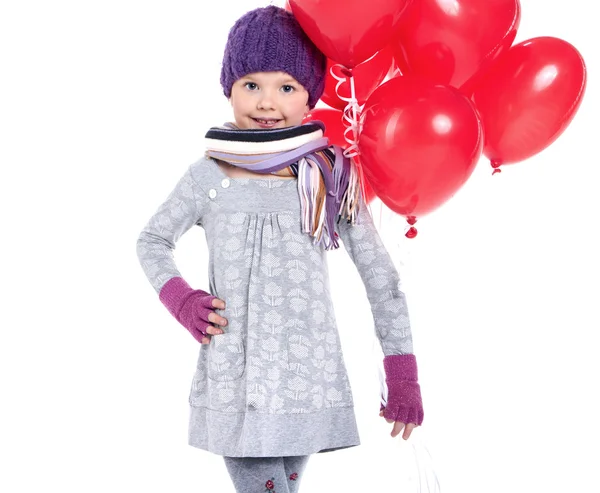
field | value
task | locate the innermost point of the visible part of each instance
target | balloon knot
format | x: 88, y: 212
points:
x: 346, y: 71
x: 497, y: 170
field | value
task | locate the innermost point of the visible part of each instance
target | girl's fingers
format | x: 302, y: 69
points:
x: 212, y: 330
x: 218, y: 303
x: 202, y: 336
x: 408, y: 430
x: 208, y: 329
x: 217, y: 319
x: 398, y: 425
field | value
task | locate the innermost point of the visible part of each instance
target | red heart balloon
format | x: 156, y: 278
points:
x: 367, y: 76
x: 334, y: 131
x: 419, y: 143
x: 528, y: 98
x: 348, y: 31
x: 449, y: 42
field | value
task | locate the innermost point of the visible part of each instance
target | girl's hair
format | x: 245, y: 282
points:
x: 269, y: 39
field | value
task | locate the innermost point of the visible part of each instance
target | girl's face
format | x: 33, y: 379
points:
x: 268, y: 100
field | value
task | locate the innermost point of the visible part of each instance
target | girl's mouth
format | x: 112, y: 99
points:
x: 266, y: 123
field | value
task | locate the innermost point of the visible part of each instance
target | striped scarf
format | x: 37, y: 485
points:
x: 328, y: 184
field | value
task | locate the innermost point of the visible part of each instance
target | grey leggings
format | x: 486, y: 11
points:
x: 266, y: 474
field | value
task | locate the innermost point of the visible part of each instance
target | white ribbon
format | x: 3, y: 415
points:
x: 352, y: 121
x: 351, y: 112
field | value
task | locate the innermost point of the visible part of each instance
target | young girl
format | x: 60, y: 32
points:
x: 271, y: 386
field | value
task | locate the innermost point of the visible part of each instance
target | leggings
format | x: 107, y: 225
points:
x: 266, y: 474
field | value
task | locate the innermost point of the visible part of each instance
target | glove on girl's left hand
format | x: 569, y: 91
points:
x: 404, y: 405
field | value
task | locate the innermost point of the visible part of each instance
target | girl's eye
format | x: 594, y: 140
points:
x: 287, y: 88
x: 251, y: 85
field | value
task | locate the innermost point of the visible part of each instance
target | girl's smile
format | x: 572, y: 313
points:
x: 266, y: 122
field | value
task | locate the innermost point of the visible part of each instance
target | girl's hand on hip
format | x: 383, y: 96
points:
x: 216, y: 320
x: 398, y: 425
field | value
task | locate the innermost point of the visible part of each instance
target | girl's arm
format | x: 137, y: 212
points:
x: 183, y: 208
x: 177, y: 214
x: 381, y: 281
x: 390, y: 314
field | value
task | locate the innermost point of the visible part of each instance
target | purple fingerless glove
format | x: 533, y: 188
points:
x: 190, y: 307
x: 404, y: 394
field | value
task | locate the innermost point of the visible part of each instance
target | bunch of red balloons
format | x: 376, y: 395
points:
x: 437, y: 84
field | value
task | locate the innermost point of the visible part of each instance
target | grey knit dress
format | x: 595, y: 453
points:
x: 275, y: 383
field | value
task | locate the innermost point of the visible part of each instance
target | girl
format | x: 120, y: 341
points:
x: 271, y: 386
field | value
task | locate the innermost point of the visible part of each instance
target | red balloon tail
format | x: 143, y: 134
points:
x: 496, y: 165
x: 346, y: 71
x: 412, y: 231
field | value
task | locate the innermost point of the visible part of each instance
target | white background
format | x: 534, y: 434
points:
x: 103, y: 107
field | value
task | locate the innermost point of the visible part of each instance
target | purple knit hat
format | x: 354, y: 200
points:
x: 269, y: 39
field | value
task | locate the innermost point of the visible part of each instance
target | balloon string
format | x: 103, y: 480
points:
x: 351, y: 112
x: 351, y: 119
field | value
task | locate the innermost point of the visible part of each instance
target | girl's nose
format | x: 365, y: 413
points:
x: 266, y: 101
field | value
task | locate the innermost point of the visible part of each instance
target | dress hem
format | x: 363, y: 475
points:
x: 256, y: 434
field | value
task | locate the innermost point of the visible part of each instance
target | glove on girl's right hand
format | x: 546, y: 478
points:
x: 191, y: 307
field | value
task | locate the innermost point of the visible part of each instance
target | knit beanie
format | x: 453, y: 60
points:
x: 270, y: 39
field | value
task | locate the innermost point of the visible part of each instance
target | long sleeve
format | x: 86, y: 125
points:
x: 181, y: 210
x: 381, y: 281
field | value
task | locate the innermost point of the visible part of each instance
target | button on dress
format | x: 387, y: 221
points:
x: 275, y: 383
